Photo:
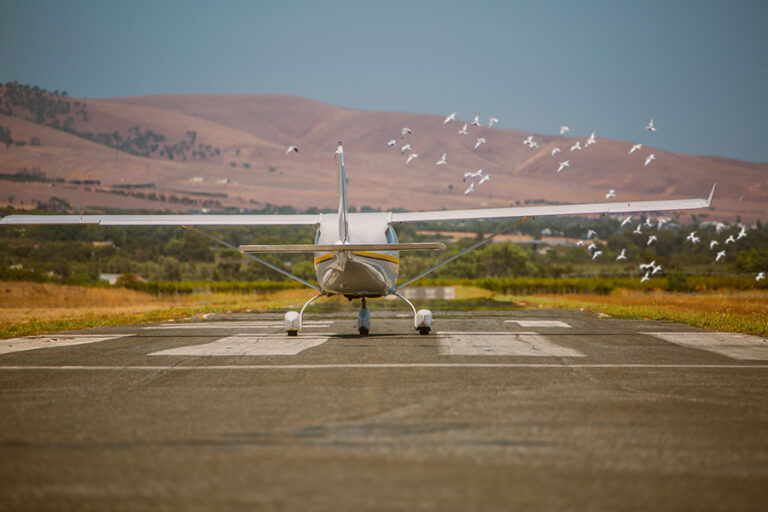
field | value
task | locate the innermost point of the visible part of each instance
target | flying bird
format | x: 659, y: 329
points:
x: 405, y: 148
x: 650, y: 126
x: 712, y: 244
x: 564, y: 129
x: 661, y: 222
x: 597, y: 253
x: 563, y: 165
x: 651, y: 239
x: 622, y: 256
x: 405, y: 131
x: 760, y: 276
x: 591, y: 140
x: 646, y: 277
x: 463, y: 130
x: 650, y: 159
x: 442, y: 160
x: 291, y: 148
x: 719, y: 256
x: 470, y: 188
x: 591, y: 233
x: 730, y: 240
x: 555, y: 151
x: 611, y: 193
x: 528, y: 141
x: 411, y: 157
x: 742, y: 233
x: 470, y: 174
x: 638, y: 230
x: 635, y: 148
x: 492, y: 121
x: 647, y: 266
x: 486, y: 177
x: 392, y: 142
x: 626, y: 221
x: 479, y: 141
x: 450, y: 118
x: 719, y: 227
x: 576, y: 146
x: 476, y: 122
x: 693, y: 238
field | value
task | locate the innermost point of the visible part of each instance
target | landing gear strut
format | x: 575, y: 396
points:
x: 364, y: 319
x: 422, y: 319
x: 293, y: 320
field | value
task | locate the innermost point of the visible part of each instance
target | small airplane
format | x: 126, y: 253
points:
x: 357, y: 254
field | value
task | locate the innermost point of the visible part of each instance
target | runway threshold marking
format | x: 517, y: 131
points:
x: 385, y: 366
x: 528, y: 344
x: 249, y: 345
x: 729, y: 344
x: 11, y: 345
x: 237, y: 325
x: 538, y: 323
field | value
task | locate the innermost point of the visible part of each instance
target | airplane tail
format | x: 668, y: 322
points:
x: 343, y: 207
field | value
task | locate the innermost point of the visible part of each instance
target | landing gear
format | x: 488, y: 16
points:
x: 422, y: 319
x: 364, y: 319
x: 293, y: 320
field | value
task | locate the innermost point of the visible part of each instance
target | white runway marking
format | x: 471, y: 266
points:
x: 249, y: 345
x: 388, y: 366
x: 729, y: 344
x: 276, y: 324
x: 501, y: 344
x: 538, y: 323
x: 53, y: 340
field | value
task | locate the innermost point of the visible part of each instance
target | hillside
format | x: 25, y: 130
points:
x: 221, y: 151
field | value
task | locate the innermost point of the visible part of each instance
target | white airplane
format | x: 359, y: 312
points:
x: 357, y: 254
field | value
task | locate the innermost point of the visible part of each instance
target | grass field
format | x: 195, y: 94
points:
x: 36, y: 308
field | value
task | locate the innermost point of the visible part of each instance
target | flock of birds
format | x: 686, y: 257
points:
x: 479, y: 177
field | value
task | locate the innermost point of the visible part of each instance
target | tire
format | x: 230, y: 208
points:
x: 424, y: 330
x: 293, y: 333
x: 363, y: 331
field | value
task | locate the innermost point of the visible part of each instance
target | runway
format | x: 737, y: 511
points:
x: 525, y: 409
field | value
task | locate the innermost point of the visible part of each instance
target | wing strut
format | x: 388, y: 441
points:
x: 263, y: 262
x: 484, y: 241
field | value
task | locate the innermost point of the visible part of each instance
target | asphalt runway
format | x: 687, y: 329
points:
x: 526, y: 409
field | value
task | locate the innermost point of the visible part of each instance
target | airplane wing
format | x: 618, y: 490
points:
x: 561, y: 209
x: 167, y: 220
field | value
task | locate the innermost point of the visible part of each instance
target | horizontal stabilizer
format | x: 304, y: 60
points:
x: 414, y: 246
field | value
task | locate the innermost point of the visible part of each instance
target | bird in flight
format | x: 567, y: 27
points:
x: 760, y: 276
x: 622, y: 256
x: 651, y: 239
x: 730, y: 240
x: 442, y: 160
x: 742, y: 233
x: 555, y: 151
x: 411, y: 157
x: 564, y: 129
x: 463, y: 130
x: 596, y: 254
x: 719, y: 227
x: 476, y: 122
x: 450, y: 118
x: 470, y: 174
x: 392, y: 142
x: 638, y: 230
x: 650, y: 126
x: 492, y: 121
x: 693, y: 238
x: 591, y: 233
x: 626, y: 221
x: 479, y: 141
x: 291, y: 148
x: 470, y: 188
x: 635, y: 148
x: 405, y: 148
x: 646, y: 277
x: 486, y: 177
x: 611, y: 193
x: 719, y: 256
x: 576, y: 146
x: 563, y: 165
x: 650, y: 159
x: 405, y: 131
x: 591, y: 140
x: 712, y: 244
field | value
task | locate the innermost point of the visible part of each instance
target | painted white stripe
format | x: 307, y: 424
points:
x: 502, y: 344
x: 238, y: 325
x: 249, y: 345
x: 538, y: 323
x: 53, y: 340
x: 729, y: 344
x: 387, y: 366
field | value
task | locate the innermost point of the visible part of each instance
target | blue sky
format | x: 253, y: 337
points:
x: 699, y: 67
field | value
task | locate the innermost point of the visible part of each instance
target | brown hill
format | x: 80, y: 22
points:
x: 244, y: 138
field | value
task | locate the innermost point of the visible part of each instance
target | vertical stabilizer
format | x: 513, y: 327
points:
x: 343, y: 208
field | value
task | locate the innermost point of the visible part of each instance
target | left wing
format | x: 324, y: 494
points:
x: 167, y: 220
x: 561, y: 209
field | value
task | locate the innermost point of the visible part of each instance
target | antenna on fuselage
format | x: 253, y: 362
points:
x: 343, y: 224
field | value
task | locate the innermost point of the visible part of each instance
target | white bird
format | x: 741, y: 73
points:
x: 760, y: 276
x: 635, y: 148
x: 442, y: 160
x: 649, y: 222
x: 492, y: 121
x: 533, y: 145
x: 463, y: 130
x: 576, y: 146
x: 626, y: 221
x: 470, y: 174
x: 405, y: 131
x: 591, y: 247
x: 555, y: 151
x: 712, y: 244
x: 693, y: 238
x: 450, y: 118
x: 661, y: 222
x: 591, y: 233
x: 611, y: 193
x: 646, y: 277
x: 639, y: 229
x: 719, y: 227
x: 564, y: 129
x: 650, y: 159
x: 719, y: 256
x: 479, y: 141
x: 622, y: 256
x: 580, y: 243
x: 650, y: 126
x: 405, y: 148
x: 597, y: 253
x: 392, y: 142
x: 563, y: 165
x: 485, y: 178
x: 742, y: 233
x: 656, y: 269
x: 528, y: 141
x: 476, y: 121
x: 730, y: 240
x: 291, y: 148
x: 651, y: 239
x: 411, y: 157
x: 648, y: 266
x: 591, y: 140
x: 470, y: 188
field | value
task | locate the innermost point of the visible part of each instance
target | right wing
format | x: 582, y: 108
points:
x: 560, y: 209
x: 167, y: 220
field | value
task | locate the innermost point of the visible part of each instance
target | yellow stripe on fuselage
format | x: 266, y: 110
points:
x: 366, y: 254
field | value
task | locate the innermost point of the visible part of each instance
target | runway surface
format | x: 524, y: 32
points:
x: 526, y: 409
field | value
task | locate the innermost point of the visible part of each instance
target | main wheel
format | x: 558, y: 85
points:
x: 424, y: 330
x: 293, y: 333
x: 363, y: 331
